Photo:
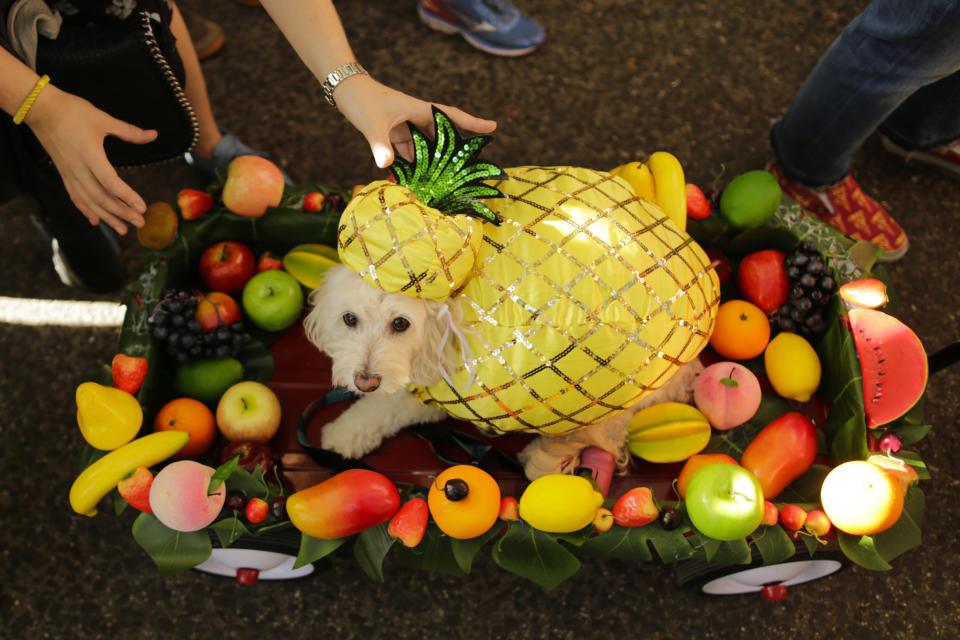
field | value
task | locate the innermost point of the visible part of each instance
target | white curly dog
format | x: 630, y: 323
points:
x: 380, y: 343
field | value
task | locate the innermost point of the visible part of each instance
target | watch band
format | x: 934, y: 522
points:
x: 337, y: 76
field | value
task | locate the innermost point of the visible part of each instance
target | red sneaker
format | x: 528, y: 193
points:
x: 945, y: 158
x: 845, y: 206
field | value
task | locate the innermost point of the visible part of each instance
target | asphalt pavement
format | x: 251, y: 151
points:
x: 616, y: 80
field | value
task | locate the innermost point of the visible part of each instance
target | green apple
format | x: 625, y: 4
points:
x: 273, y: 300
x: 248, y: 411
x: 206, y: 380
x: 725, y: 501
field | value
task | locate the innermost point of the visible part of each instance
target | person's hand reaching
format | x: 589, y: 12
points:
x: 381, y: 113
x: 72, y: 132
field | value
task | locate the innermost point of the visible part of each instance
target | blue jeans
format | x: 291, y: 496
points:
x: 896, y: 68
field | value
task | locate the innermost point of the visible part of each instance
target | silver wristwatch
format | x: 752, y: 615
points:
x: 337, y: 76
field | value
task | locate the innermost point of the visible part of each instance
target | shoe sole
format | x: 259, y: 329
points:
x: 437, y: 23
x: 211, y: 49
x: 921, y: 157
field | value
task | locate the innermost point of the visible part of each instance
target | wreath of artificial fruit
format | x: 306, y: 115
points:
x: 543, y: 533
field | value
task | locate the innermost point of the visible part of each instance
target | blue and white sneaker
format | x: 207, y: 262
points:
x: 494, y: 26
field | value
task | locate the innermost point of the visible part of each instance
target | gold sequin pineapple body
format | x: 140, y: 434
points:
x: 583, y: 300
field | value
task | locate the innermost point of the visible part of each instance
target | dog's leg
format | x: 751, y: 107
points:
x: 361, y: 428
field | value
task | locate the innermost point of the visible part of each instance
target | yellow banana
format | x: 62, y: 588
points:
x: 668, y: 432
x: 103, y: 475
x: 639, y: 177
x: 670, y: 186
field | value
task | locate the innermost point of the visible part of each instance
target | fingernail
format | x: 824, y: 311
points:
x: 382, y: 156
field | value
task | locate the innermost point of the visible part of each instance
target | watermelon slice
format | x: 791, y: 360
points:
x: 893, y: 362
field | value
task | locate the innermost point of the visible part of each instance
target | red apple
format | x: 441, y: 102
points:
x: 252, y: 455
x: 269, y: 260
x: 193, y: 203
x: 216, y: 309
x: 253, y: 184
x: 135, y: 489
x: 227, y: 266
x: 128, y: 372
x: 313, y: 201
x: 762, y: 279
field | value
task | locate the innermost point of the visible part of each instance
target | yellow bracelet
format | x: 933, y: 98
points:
x: 30, y: 99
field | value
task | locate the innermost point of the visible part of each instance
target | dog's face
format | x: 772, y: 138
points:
x: 378, y: 342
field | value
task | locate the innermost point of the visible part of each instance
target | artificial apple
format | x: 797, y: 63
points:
x: 273, y: 300
x: 253, y: 184
x: 252, y: 455
x: 695, y: 463
x: 269, y: 260
x: 128, y: 372
x: 248, y: 410
x: 216, y: 309
x: 762, y: 279
x: 180, y: 498
x: 193, y: 203
x: 227, y: 266
x: 725, y: 501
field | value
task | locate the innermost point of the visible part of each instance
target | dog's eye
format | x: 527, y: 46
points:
x: 349, y: 319
x: 400, y: 324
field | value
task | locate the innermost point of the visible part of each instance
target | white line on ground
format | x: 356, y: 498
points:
x: 65, y: 313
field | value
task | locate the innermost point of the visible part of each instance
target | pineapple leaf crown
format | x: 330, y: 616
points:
x: 446, y: 173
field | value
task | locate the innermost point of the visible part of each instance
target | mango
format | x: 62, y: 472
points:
x: 668, y: 432
x: 309, y: 262
x: 108, y: 418
x: 350, y: 502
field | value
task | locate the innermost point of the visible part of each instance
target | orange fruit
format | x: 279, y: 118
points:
x: 861, y: 498
x: 741, y: 332
x: 469, y: 506
x: 192, y: 417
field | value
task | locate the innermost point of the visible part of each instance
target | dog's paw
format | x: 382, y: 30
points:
x: 539, y: 460
x: 348, y: 440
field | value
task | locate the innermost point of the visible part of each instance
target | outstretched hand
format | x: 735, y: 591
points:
x: 381, y: 113
x: 72, y: 132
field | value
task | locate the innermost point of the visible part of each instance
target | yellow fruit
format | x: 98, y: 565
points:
x: 560, y: 503
x: 668, y: 432
x: 792, y: 366
x: 639, y: 177
x: 671, y: 186
x: 468, y: 515
x: 108, y: 418
x: 160, y: 223
x: 309, y: 262
x: 861, y: 498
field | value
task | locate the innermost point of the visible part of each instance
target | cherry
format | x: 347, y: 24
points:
x: 669, y: 518
x: 247, y: 576
x: 257, y: 510
x: 456, y: 489
x: 235, y: 500
x: 774, y: 592
x: 278, y: 507
x: 890, y: 443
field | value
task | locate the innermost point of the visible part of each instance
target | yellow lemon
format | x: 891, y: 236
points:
x: 792, y: 366
x: 560, y: 503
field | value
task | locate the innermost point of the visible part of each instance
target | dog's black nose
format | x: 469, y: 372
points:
x: 366, y: 382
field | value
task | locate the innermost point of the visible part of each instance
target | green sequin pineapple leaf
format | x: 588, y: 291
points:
x: 446, y: 173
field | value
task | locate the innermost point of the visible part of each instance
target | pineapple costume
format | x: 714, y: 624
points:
x: 577, y: 298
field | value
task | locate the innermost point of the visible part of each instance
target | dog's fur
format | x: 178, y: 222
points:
x: 373, y: 349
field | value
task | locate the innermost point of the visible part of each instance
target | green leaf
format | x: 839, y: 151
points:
x: 619, y: 542
x: 119, y: 504
x: 436, y: 552
x: 733, y: 552
x: 313, y: 549
x: 229, y: 530
x: 371, y: 548
x: 534, y: 555
x: 254, y: 485
x: 914, y: 461
x: 464, y: 551
x: 172, y: 551
x: 875, y: 552
x: 806, y: 488
x: 774, y: 544
x: 861, y: 551
x: 222, y: 473
x: 911, y: 433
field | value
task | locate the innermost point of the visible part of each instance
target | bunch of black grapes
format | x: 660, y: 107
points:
x: 174, y: 325
x: 811, y: 287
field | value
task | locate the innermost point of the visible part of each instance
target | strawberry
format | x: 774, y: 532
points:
x: 636, y: 508
x: 509, y: 508
x: 313, y: 201
x: 135, y: 489
x: 193, y: 203
x: 128, y: 372
x: 409, y: 523
x: 698, y: 207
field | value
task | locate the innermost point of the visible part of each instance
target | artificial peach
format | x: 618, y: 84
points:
x: 728, y: 394
x: 216, y: 309
x: 253, y: 184
x: 179, y: 496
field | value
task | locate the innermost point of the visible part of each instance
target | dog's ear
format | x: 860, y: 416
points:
x: 425, y: 367
x: 321, y: 300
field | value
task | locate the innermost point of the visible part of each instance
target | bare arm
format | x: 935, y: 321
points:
x: 314, y: 30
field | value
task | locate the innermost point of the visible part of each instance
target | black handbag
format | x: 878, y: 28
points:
x: 131, y: 70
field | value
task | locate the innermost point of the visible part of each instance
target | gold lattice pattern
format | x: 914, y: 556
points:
x: 583, y: 301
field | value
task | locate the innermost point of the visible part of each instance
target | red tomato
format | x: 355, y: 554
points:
x: 762, y: 279
x: 781, y: 452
